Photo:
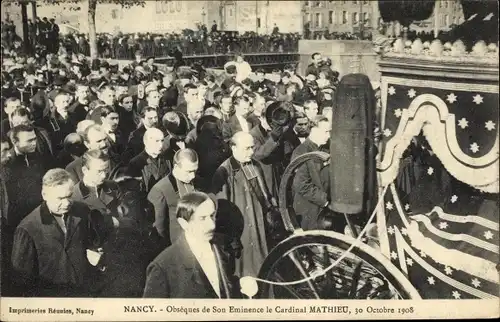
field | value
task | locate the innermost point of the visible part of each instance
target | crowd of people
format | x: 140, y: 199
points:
x: 130, y: 181
x: 44, y: 34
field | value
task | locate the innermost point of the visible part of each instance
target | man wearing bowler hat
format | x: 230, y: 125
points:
x: 269, y: 143
x: 176, y: 126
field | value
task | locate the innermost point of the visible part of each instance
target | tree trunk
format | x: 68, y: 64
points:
x: 92, y: 32
x: 26, y: 34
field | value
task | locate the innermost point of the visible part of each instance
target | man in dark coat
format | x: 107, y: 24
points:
x: 149, y: 119
x: 295, y: 135
x: 165, y: 195
x: 242, y: 120
x: 51, y: 243
x: 23, y: 175
x: 94, y: 138
x: 269, y: 144
x: 124, y: 274
x: 234, y: 181
x: 311, y: 182
x: 196, y: 265
x: 315, y: 67
x: 151, y: 164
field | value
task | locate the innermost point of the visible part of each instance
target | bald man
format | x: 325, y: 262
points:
x: 166, y: 193
x: 151, y: 164
x: 240, y: 180
x: 194, y: 111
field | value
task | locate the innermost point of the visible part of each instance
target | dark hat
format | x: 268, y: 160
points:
x: 104, y: 64
x: 60, y: 80
x: 150, y: 57
x: 176, y: 124
x: 207, y: 121
x: 278, y: 114
x: 126, y: 70
x: 231, y: 69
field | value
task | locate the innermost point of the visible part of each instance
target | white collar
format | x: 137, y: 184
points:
x: 205, y: 256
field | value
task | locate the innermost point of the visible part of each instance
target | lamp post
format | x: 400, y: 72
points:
x: 303, y: 20
x: 361, y: 20
x: 221, y: 14
x: 203, y: 14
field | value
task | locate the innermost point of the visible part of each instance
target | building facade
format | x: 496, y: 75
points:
x: 174, y: 16
x: 340, y: 16
x: 348, y: 16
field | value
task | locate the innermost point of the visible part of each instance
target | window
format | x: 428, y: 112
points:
x: 318, y: 3
x: 445, y: 3
x: 365, y: 2
x: 354, y: 2
x: 318, y: 20
x: 114, y: 13
x: 309, y: 17
x: 365, y: 17
x: 258, y: 22
x: 345, y: 14
x: 447, y: 20
x: 230, y: 12
x: 355, y: 18
x: 331, y: 17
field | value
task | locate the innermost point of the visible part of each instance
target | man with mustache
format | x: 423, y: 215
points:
x: 195, y: 266
x: 94, y: 138
x: 242, y: 120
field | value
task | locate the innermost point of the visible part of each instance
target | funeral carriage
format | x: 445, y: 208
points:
x: 426, y: 192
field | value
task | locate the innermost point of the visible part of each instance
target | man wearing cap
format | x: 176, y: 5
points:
x: 151, y: 163
x: 261, y: 84
x: 269, y: 147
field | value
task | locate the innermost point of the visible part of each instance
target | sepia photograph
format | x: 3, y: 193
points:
x: 235, y: 160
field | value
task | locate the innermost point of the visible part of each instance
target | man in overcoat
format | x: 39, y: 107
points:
x: 196, y: 265
x: 240, y: 180
x: 269, y: 144
x: 311, y: 183
x: 50, y: 244
x: 165, y: 194
x: 123, y: 254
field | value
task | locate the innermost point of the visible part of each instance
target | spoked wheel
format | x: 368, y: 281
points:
x: 299, y: 263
